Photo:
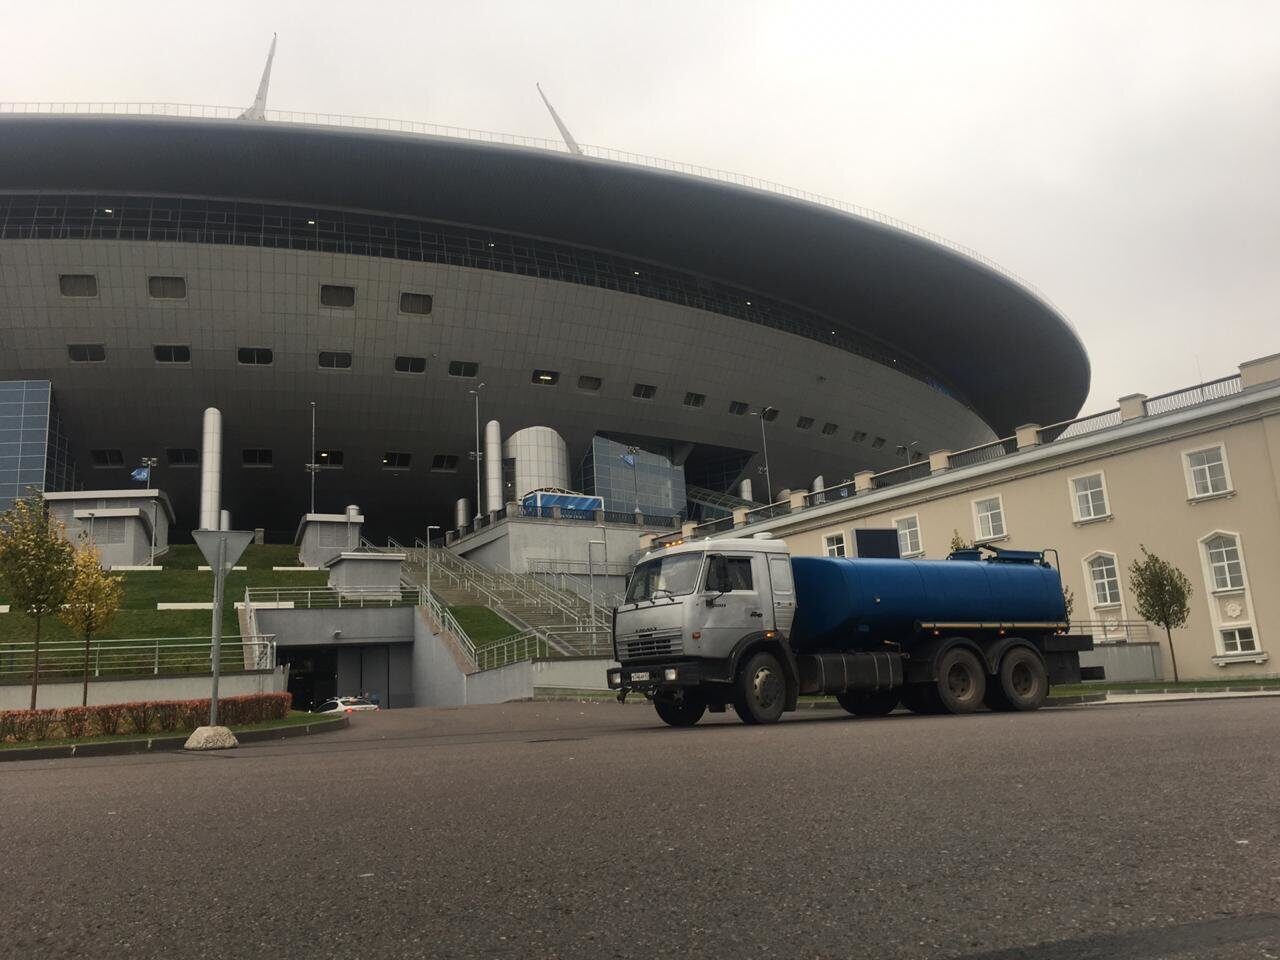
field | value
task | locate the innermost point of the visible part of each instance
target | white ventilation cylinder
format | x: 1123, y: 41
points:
x: 492, y: 466
x: 744, y: 489
x: 461, y: 513
x: 819, y: 484
x: 542, y: 459
x: 210, y: 469
x: 352, y: 512
x: 224, y: 519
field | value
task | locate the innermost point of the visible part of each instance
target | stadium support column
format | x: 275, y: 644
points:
x: 492, y: 466
x: 211, y: 469
x: 744, y: 489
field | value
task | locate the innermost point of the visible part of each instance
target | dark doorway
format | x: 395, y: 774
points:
x: 313, y: 674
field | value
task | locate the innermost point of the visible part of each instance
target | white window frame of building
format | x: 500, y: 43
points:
x: 1202, y: 474
x: 1080, y: 499
x: 992, y: 533
x: 909, y: 542
x: 1104, y: 593
x: 1226, y: 625
x: 833, y: 543
x: 1226, y: 569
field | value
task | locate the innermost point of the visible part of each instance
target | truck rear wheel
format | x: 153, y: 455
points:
x: 869, y: 704
x: 1023, y: 679
x: 680, y: 713
x: 761, y: 692
x: 962, y: 681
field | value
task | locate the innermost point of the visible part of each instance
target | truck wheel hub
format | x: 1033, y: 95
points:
x: 767, y: 687
x: 959, y: 682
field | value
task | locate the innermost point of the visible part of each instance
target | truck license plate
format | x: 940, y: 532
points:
x: 642, y: 675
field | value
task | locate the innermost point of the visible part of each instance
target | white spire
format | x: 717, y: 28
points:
x: 258, y: 110
x: 569, y: 142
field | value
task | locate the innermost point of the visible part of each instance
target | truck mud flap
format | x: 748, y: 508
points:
x: 1064, y: 667
x: 1067, y: 643
x: 841, y: 672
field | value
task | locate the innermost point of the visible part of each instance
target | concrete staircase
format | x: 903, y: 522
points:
x: 567, y: 622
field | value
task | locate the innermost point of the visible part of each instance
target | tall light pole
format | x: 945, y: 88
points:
x: 312, y: 466
x: 150, y: 463
x: 764, y: 443
x: 475, y: 392
x: 632, y: 452
x: 429, y: 529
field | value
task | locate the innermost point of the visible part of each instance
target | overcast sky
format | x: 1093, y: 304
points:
x: 1124, y: 157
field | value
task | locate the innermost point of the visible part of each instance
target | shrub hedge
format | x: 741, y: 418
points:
x: 151, y: 716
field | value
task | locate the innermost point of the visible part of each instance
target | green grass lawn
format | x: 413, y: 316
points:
x: 295, y: 718
x: 482, y: 624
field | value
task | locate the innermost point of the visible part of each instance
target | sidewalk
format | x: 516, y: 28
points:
x: 1152, y: 697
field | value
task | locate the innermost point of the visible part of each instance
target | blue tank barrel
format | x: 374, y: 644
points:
x: 847, y: 603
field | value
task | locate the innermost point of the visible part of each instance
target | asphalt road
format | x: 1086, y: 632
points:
x: 589, y: 830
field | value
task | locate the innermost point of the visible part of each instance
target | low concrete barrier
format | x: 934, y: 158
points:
x: 66, y: 693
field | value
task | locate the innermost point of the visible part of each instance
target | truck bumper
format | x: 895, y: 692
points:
x: 653, y: 678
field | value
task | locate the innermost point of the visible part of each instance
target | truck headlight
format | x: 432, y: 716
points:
x: 669, y: 673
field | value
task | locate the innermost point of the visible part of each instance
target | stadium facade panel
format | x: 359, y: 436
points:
x: 151, y: 268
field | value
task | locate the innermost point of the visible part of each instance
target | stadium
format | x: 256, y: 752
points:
x: 410, y: 284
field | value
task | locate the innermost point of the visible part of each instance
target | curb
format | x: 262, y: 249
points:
x: 120, y: 748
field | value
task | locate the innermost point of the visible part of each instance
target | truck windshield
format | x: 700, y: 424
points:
x: 664, y: 577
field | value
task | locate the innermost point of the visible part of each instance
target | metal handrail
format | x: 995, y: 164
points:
x: 310, y: 598
x: 1105, y: 631
x: 1190, y: 396
x: 135, y: 657
x: 388, y: 125
x: 982, y: 453
x: 514, y: 649
x: 1067, y: 429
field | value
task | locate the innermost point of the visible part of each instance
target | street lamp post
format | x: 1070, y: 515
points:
x: 150, y: 464
x: 764, y: 443
x: 312, y: 466
x: 476, y: 393
x: 429, y: 529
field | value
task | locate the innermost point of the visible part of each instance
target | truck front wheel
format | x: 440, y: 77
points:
x: 680, y: 713
x: 761, y: 692
x: 869, y: 704
x: 962, y: 681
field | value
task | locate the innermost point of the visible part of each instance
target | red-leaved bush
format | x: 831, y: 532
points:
x: 165, y: 716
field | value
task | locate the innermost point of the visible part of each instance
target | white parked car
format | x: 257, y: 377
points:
x: 345, y: 705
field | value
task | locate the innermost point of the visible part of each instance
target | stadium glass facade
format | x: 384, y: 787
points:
x: 34, y: 451
x: 629, y: 478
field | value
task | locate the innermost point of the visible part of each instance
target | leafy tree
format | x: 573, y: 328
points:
x: 1163, y: 596
x: 92, y: 600
x: 958, y: 542
x: 1069, y: 600
x: 35, y: 562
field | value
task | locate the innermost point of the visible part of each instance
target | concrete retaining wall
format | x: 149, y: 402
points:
x: 1126, y: 661
x: 63, y: 693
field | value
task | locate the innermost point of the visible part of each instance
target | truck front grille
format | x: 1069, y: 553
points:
x: 662, y: 643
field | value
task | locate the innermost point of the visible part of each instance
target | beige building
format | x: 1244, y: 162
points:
x: 1194, y: 476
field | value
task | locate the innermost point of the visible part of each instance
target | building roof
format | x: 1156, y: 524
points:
x: 995, y: 343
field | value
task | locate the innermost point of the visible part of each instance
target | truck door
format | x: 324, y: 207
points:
x: 731, y: 616
x: 784, y: 592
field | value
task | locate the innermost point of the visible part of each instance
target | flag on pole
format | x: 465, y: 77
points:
x: 629, y: 460
x: 142, y: 475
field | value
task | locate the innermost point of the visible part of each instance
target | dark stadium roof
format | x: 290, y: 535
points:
x: 1003, y: 349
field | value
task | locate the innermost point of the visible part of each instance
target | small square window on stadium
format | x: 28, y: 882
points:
x: 182, y: 456
x: 829, y: 428
x: 419, y: 303
x: 167, y: 288
x: 644, y: 391
x: 78, y: 285
x: 444, y: 463
x: 86, y: 352
x: 804, y: 423
x: 694, y: 399
x: 859, y: 436
x: 335, y: 360
x: 392, y: 460
x: 256, y: 457
x: 332, y: 295
x: 590, y: 383
x: 172, y: 353
x: 770, y: 414
x: 255, y: 356
x: 464, y: 368
x: 106, y: 458
x: 738, y: 408
x: 411, y: 364
x: 546, y: 377
x: 877, y: 443
x: 329, y: 458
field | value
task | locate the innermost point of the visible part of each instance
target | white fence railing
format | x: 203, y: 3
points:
x: 320, y: 598
x: 155, y: 656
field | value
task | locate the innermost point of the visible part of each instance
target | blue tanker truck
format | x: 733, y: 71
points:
x: 710, y: 624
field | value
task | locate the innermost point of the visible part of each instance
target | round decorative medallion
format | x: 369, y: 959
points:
x: 1234, y: 609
